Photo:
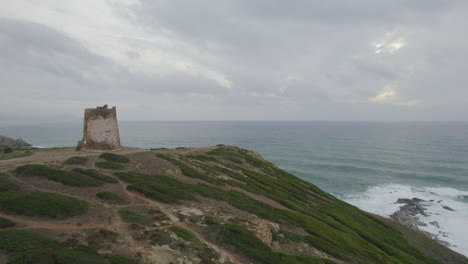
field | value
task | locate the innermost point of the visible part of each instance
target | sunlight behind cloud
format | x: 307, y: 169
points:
x: 391, y: 42
x: 390, y: 95
x: 384, y: 96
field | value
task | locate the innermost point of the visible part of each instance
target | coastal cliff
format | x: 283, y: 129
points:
x: 219, y: 204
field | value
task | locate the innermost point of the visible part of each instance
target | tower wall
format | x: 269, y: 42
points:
x: 100, y: 129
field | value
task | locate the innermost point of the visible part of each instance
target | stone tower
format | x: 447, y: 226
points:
x: 100, y: 129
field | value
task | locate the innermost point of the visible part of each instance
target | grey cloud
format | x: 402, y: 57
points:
x: 257, y: 45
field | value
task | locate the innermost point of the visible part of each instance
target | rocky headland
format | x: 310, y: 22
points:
x: 210, y: 205
x: 6, y: 142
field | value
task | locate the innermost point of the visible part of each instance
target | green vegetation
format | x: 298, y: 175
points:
x: 134, y: 217
x: 96, y: 175
x: 114, y: 158
x: 76, y: 161
x: 64, y: 177
x: 112, y: 198
x: 42, y: 204
x: 252, y: 247
x: 79, y: 255
x: 183, y: 233
x: 112, y: 161
x: 6, y: 185
x: 326, y: 223
x: 16, y: 154
x: 203, y: 157
x: 122, y: 260
x: 18, y: 240
x: 161, y: 188
x: 161, y: 238
x: 27, y: 247
x: 334, y: 227
x: 5, y: 223
x: 188, y: 170
x: 109, y: 165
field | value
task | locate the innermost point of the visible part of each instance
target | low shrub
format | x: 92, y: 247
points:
x: 5, y: 223
x: 253, y: 248
x: 51, y: 205
x: 134, y: 217
x: 76, y: 161
x: 114, y: 158
x: 122, y: 260
x: 8, y: 150
x: 27, y: 247
x: 96, y: 175
x: 16, y: 154
x: 183, y: 233
x: 64, y: 177
x: 17, y: 240
x: 188, y: 170
x: 109, y: 165
x: 112, y: 198
x: 79, y: 255
x: 6, y: 185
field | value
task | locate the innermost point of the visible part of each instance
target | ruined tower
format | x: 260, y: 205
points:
x: 100, y: 129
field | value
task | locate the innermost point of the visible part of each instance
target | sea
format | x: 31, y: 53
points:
x: 367, y: 164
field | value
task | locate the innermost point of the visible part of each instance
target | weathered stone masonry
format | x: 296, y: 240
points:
x: 100, y: 129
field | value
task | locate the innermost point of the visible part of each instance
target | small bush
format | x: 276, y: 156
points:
x: 122, y: 260
x: 17, y: 240
x: 15, y: 155
x: 5, y: 223
x: 76, y: 161
x: 114, y: 158
x: 51, y: 205
x: 96, y: 175
x: 64, y: 177
x: 6, y: 185
x: 188, y: 170
x: 27, y: 247
x: 79, y: 255
x: 111, y: 198
x: 133, y: 217
x: 252, y: 247
x: 109, y: 165
x: 161, y: 238
x: 183, y: 233
x: 8, y: 150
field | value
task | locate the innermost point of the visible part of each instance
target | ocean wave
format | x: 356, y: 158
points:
x: 446, y: 209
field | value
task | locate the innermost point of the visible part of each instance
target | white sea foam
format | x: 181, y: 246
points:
x: 447, y: 225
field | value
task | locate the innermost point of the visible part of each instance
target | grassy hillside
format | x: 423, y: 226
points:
x: 205, y: 205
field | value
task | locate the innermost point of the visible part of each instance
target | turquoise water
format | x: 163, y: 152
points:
x: 365, y: 163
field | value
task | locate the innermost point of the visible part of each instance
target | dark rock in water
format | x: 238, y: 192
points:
x: 408, y: 213
x: 407, y: 201
x: 6, y: 142
x: 447, y: 208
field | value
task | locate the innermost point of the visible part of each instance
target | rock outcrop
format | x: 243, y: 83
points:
x: 6, y: 142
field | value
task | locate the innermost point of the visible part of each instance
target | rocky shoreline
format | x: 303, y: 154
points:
x: 411, y: 212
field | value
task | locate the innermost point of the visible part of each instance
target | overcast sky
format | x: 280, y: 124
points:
x: 235, y: 59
